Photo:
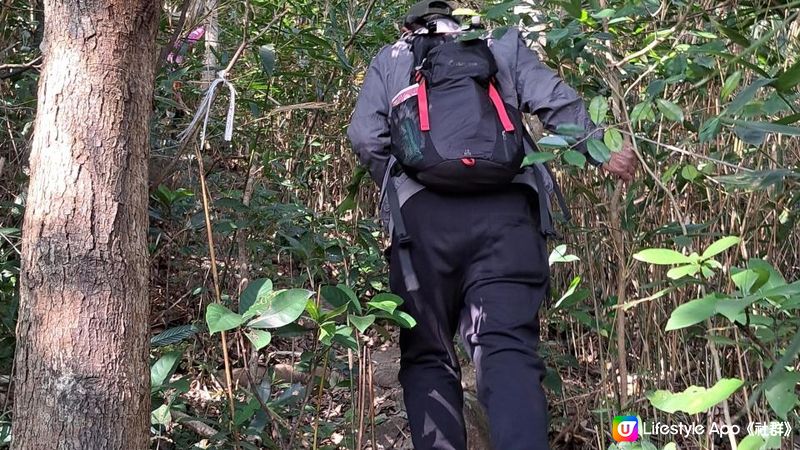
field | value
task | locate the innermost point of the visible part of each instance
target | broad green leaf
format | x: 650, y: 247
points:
x: 559, y: 255
x: 642, y: 112
x: 267, y: 55
x: 598, y: 109
x: 749, y: 280
x: 689, y: 172
x: 362, y: 322
x: 670, y: 110
x: 334, y: 313
x: 537, y: 157
x: 720, y: 246
x: 572, y: 295
x: 162, y: 369
x: 710, y: 129
x: 745, y: 96
x: 385, y: 302
x: 404, y: 319
x: 751, y: 443
x: 574, y: 158
x: 692, y: 312
x: 682, y: 271
x: 661, y: 256
x: 256, y: 290
x: 781, y: 393
x: 613, y: 139
x: 161, y: 416
x: 173, y: 335
x: 670, y: 446
x: 553, y: 141
x: 259, y: 338
x: 695, y: 399
x: 731, y: 83
x: 656, y: 87
x: 334, y: 296
x: 598, y: 150
x: 749, y: 135
x: 282, y: 309
x: 220, y: 318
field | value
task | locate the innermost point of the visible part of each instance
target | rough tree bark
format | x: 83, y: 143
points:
x: 82, y: 377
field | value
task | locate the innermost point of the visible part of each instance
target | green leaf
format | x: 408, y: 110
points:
x: 559, y: 255
x: 259, y: 338
x: 173, y: 335
x: 789, y: 79
x: 613, y: 139
x: 334, y: 296
x: 689, y: 172
x: 283, y: 309
x: 404, y: 319
x: 553, y: 142
x: 750, y: 280
x: 745, y: 96
x: 598, y: 109
x: 781, y: 392
x: 642, y: 112
x: 710, y: 129
x: 670, y: 110
x: 362, y: 322
x: 220, y: 318
x: 161, y: 416
x: 574, y: 158
x: 661, y: 256
x: 385, y: 302
x: 692, y: 312
x: 162, y: 369
x: 537, y: 157
x: 730, y: 85
x: 751, y: 443
x: 720, y: 246
x: 695, y: 399
x: 682, y: 271
x: 267, y: 55
x: 767, y: 127
x: 598, y: 150
x: 256, y: 290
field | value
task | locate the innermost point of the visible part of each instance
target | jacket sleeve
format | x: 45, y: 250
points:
x: 542, y: 92
x: 369, y: 126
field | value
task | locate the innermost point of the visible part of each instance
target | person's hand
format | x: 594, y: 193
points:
x: 622, y: 163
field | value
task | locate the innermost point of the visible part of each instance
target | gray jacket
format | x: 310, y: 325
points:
x: 525, y: 83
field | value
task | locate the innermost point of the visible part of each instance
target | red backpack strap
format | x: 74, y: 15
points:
x: 494, y: 95
x: 422, y: 103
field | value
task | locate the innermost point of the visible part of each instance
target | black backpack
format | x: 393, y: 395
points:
x: 450, y: 129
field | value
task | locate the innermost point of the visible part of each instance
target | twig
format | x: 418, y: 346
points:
x: 360, y: 25
x: 16, y: 69
x: 246, y: 41
x: 689, y: 153
x: 217, y: 293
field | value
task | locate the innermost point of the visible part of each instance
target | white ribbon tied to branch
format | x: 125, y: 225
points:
x: 205, y: 107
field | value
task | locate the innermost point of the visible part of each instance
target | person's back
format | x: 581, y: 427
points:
x: 467, y: 261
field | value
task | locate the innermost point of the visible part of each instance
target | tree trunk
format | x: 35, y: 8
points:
x: 82, y: 377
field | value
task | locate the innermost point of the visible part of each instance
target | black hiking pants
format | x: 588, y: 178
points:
x: 482, y: 268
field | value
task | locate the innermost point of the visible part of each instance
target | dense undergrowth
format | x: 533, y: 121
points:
x: 678, y: 282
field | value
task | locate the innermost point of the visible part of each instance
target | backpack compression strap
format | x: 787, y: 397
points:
x: 494, y: 95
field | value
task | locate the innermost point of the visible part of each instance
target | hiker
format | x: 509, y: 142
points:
x: 438, y: 124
